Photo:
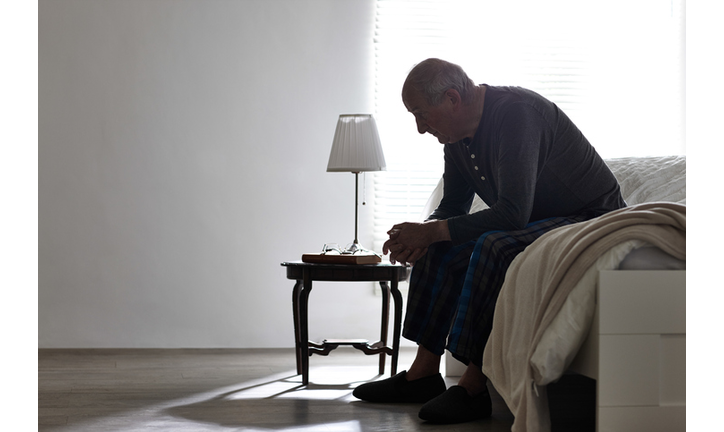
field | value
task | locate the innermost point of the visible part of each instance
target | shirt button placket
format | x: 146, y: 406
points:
x: 472, y: 156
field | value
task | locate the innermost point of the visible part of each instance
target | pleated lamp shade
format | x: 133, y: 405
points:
x: 356, y: 146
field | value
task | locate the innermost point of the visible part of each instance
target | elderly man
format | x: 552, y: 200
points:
x: 535, y: 170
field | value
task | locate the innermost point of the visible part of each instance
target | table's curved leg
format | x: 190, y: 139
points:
x: 385, y: 321
x: 304, y: 329
x: 398, y: 323
x: 295, y: 312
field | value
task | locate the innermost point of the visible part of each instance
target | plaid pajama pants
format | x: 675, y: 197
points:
x: 453, y: 289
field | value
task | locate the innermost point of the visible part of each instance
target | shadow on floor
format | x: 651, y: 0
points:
x: 285, y: 404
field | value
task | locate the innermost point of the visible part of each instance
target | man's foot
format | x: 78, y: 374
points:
x: 457, y: 406
x: 398, y: 390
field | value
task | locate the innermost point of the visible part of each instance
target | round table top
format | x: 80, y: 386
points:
x: 383, y: 271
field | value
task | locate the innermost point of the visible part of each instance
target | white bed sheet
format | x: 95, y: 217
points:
x: 563, y: 338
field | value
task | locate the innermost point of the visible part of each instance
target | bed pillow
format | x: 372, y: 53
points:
x: 650, y: 179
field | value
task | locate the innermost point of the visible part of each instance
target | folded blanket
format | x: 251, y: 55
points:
x: 538, y: 283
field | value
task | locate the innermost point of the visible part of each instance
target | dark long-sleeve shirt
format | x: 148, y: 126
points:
x: 527, y: 162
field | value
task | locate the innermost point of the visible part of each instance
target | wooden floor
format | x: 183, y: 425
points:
x: 220, y: 390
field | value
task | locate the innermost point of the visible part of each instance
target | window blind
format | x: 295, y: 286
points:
x: 615, y: 67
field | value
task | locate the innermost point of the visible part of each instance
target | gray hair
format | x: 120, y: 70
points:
x: 433, y: 77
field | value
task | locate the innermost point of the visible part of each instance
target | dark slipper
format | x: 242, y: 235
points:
x: 398, y: 389
x: 456, y: 406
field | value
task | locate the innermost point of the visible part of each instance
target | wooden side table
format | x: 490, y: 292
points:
x: 305, y: 273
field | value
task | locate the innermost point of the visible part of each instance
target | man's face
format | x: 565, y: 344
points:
x: 435, y: 120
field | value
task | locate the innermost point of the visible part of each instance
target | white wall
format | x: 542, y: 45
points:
x: 182, y: 156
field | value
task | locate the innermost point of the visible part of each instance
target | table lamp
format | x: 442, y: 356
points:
x: 356, y: 148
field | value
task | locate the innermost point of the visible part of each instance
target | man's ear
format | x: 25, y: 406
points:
x: 453, y: 97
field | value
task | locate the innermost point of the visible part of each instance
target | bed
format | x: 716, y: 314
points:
x: 605, y: 299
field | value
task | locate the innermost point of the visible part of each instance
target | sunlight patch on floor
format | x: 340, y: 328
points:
x: 347, y: 426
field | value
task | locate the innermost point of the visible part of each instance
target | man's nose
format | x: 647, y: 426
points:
x: 421, y: 126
